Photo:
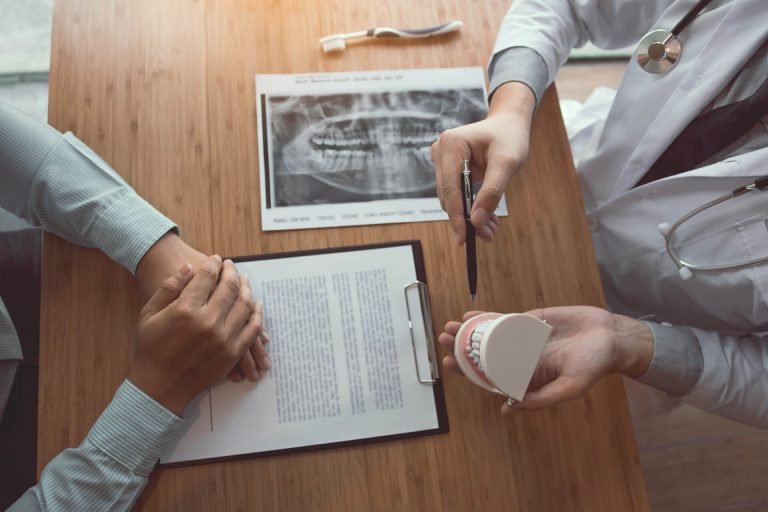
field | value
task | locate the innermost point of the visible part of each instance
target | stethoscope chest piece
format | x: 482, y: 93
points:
x: 659, y: 51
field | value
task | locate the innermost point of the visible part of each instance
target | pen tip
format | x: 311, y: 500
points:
x: 474, y: 297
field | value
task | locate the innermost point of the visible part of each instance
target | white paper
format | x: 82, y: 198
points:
x: 353, y: 148
x: 342, y: 360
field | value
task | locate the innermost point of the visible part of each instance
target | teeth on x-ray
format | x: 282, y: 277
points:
x: 375, y: 144
x: 387, y: 143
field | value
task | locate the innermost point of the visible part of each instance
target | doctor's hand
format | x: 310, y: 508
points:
x: 586, y: 343
x: 495, y: 148
x: 193, y: 331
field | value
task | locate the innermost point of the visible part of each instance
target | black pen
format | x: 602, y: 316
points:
x: 470, y: 239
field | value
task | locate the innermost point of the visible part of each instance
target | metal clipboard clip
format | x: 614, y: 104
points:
x: 426, y: 315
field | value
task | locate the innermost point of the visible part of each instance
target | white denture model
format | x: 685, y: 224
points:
x: 500, y: 352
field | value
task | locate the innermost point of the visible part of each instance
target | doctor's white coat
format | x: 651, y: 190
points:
x: 727, y: 309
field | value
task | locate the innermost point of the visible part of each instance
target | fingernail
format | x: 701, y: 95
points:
x: 266, y: 363
x: 480, y: 217
x: 457, y: 238
x: 184, y: 270
x: 236, y: 377
x: 255, y: 375
x: 265, y: 338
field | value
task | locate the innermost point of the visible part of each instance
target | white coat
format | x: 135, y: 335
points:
x: 615, y: 151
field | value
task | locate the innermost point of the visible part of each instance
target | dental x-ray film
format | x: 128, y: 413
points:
x: 340, y: 149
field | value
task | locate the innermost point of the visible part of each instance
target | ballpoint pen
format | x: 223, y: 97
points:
x: 470, y: 241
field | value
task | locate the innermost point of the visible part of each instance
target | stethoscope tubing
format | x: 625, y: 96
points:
x: 758, y: 185
x: 688, y: 18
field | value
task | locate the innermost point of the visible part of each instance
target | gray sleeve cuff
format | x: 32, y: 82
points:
x: 519, y: 64
x: 134, y: 429
x: 677, y: 360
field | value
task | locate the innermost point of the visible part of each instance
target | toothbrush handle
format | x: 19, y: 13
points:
x: 445, y: 28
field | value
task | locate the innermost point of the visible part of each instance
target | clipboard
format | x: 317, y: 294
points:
x: 211, y: 433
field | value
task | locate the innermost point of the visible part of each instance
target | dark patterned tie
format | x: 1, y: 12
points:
x: 708, y: 134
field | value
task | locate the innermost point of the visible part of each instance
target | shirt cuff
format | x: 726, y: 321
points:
x: 128, y: 228
x: 677, y: 360
x: 519, y: 64
x: 134, y: 429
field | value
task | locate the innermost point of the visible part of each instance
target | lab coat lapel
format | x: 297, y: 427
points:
x: 708, y: 73
x: 689, y: 189
x: 746, y: 167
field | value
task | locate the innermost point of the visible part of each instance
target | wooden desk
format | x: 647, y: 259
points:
x: 164, y: 91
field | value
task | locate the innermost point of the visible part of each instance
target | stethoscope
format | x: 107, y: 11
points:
x: 659, y: 50
x: 684, y: 268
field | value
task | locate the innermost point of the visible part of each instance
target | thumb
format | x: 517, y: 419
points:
x: 169, y: 291
x: 497, y: 174
x: 559, y: 390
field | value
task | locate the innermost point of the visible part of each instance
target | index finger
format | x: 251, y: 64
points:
x: 198, y: 291
x: 470, y: 314
x: 226, y: 290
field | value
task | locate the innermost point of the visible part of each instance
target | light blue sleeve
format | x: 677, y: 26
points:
x: 57, y: 182
x: 109, y: 469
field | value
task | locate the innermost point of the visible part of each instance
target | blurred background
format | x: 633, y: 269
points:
x: 25, y: 50
x: 692, y: 461
x: 25, y: 54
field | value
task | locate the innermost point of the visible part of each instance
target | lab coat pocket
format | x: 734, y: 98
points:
x: 754, y: 236
x: 724, y: 245
x: 732, y: 245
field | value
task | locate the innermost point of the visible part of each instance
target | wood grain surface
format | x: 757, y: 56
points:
x: 164, y: 91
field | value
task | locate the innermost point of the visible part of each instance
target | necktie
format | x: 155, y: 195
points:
x: 708, y: 134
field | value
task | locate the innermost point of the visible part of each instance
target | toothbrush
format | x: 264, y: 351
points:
x: 336, y: 42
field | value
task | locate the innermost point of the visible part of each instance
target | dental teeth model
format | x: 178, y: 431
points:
x: 500, y: 352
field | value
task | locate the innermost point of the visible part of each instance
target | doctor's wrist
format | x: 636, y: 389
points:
x: 513, y: 98
x: 634, y: 346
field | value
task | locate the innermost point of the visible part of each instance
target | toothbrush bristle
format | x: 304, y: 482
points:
x: 334, y: 45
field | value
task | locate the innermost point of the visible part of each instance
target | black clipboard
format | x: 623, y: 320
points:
x: 433, y: 380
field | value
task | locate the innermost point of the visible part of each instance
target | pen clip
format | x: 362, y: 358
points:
x: 467, y: 190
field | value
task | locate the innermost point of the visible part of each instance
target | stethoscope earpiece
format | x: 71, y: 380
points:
x: 685, y: 273
x: 659, y: 51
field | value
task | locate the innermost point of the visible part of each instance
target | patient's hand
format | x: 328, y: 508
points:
x: 160, y: 262
x: 193, y: 331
